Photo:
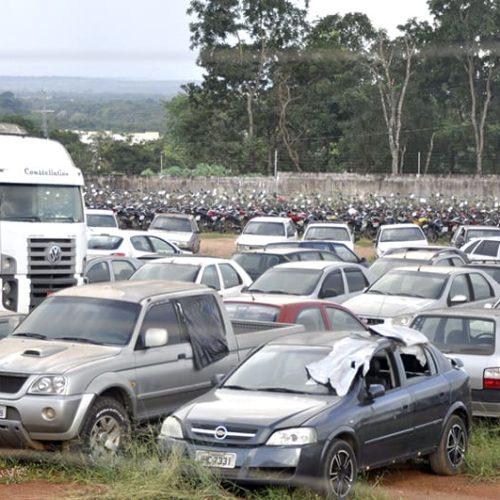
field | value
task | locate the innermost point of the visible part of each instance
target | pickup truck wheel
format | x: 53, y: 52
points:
x: 450, y: 455
x: 105, y: 429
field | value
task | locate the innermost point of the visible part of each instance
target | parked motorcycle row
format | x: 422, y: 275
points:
x: 216, y: 210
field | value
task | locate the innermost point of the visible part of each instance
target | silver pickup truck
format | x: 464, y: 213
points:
x: 91, y: 360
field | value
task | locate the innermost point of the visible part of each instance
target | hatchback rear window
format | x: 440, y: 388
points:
x: 254, y: 312
x: 104, y: 242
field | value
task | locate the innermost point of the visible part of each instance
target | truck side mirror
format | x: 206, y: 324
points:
x: 155, y: 337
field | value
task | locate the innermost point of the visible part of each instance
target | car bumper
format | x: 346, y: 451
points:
x: 485, y: 403
x: 25, y: 426
x: 279, y: 465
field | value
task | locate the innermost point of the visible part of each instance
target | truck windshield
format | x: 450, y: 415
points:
x: 40, y: 203
x: 96, y: 321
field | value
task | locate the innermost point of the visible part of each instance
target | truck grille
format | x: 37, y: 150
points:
x: 51, y: 266
x: 10, y: 384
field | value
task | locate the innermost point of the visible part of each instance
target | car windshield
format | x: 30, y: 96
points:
x: 257, y: 263
x: 172, y: 224
x: 382, y: 265
x: 167, y: 271
x: 254, y: 312
x: 265, y: 228
x: 82, y: 319
x: 101, y: 220
x: 472, y: 234
x: 287, y: 280
x: 410, y: 233
x: 280, y: 369
x: 104, y: 242
x: 40, y: 203
x: 410, y: 284
x: 327, y: 233
x: 460, y: 335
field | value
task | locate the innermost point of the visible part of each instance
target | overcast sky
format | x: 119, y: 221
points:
x: 139, y: 39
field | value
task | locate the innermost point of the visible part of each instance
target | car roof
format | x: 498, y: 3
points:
x: 448, y: 270
x: 468, y: 226
x: 325, y: 339
x: 457, y: 312
x: 279, y: 300
x: 283, y: 250
x: 129, y: 291
x: 270, y: 219
x: 176, y: 216
x: 481, y: 238
x: 103, y: 258
x: 420, y: 253
x: 315, y: 264
x: 328, y: 224
x: 99, y: 211
x: 191, y: 259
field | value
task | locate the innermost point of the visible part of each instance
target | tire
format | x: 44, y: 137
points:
x: 106, y: 429
x: 448, y: 459
x: 340, y: 470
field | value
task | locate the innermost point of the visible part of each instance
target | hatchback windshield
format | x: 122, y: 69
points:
x: 327, y: 233
x: 288, y: 281
x: 172, y: 224
x: 104, y: 242
x: 410, y: 233
x: 265, y: 228
x: 410, y: 284
x: 167, y: 271
x: 101, y: 220
x: 280, y: 369
x: 455, y: 334
x: 94, y: 321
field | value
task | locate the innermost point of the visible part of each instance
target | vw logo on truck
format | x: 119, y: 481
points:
x: 54, y: 254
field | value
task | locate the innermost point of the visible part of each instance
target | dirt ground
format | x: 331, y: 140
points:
x: 398, y: 483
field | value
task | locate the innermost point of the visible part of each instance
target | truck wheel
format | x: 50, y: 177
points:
x: 340, y: 471
x: 105, y: 429
x: 450, y: 455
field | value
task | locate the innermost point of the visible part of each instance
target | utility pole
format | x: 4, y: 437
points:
x: 44, y: 112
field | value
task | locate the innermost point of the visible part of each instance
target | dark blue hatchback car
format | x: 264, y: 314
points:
x: 312, y: 410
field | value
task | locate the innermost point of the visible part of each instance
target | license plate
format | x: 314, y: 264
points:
x: 216, y: 459
x: 444, y: 230
x: 3, y: 411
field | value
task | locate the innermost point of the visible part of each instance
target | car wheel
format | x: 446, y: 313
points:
x: 340, y: 470
x: 105, y: 429
x: 450, y: 455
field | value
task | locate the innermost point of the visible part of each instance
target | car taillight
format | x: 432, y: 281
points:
x: 118, y: 254
x: 491, y: 378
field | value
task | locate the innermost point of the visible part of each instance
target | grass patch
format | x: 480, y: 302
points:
x: 483, y: 458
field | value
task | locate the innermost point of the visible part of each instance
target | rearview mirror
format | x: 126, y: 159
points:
x: 155, y: 337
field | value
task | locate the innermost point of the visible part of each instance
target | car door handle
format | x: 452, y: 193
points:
x: 181, y: 356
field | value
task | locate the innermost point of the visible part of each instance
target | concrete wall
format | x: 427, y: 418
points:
x: 327, y: 184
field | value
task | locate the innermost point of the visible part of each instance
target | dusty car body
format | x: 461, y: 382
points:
x: 313, y: 410
x: 473, y: 336
x: 181, y: 229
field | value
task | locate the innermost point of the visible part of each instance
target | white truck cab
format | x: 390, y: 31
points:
x: 42, y: 223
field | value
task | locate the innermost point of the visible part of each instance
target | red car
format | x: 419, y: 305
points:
x: 315, y: 315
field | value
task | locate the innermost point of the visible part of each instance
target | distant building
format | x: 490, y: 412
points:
x: 88, y: 136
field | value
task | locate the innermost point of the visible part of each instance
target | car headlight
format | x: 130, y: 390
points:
x: 403, y: 320
x: 293, y: 437
x: 171, y: 427
x: 49, y: 384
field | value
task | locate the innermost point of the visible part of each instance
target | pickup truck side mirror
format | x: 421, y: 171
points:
x: 155, y: 337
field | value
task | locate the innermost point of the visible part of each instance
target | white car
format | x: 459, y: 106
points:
x: 97, y: 219
x: 464, y: 234
x: 224, y: 275
x: 331, y: 231
x: 130, y: 243
x: 260, y: 231
x: 487, y: 248
x: 335, y: 281
x: 399, y: 236
x: 402, y: 292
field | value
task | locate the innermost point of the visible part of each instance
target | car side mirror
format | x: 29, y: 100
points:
x: 244, y: 289
x: 457, y: 363
x: 217, y: 379
x: 458, y: 299
x: 155, y: 337
x: 328, y: 292
x: 375, y: 391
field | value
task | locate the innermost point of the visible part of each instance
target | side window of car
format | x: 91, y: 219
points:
x: 329, y: 256
x: 162, y: 316
x: 382, y: 371
x: 141, y: 243
x: 230, y: 277
x: 342, y: 320
x: 480, y: 287
x: 161, y: 246
x: 333, y: 284
x: 489, y: 248
x: 356, y: 280
x: 311, y: 319
x: 459, y: 286
x: 290, y: 229
x: 456, y: 261
x: 122, y: 270
x: 210, y: 277
x: 415, y: 363
x: 310, y: 256
x: 471, y: 247
x: 98, y: 273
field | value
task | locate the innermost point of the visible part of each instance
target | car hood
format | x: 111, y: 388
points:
x: 41, y: 356
x: 259, y: 409
x: 387, y: 245
x: 386, y: 306
x: 173, y: 236
x: 257, y: 240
